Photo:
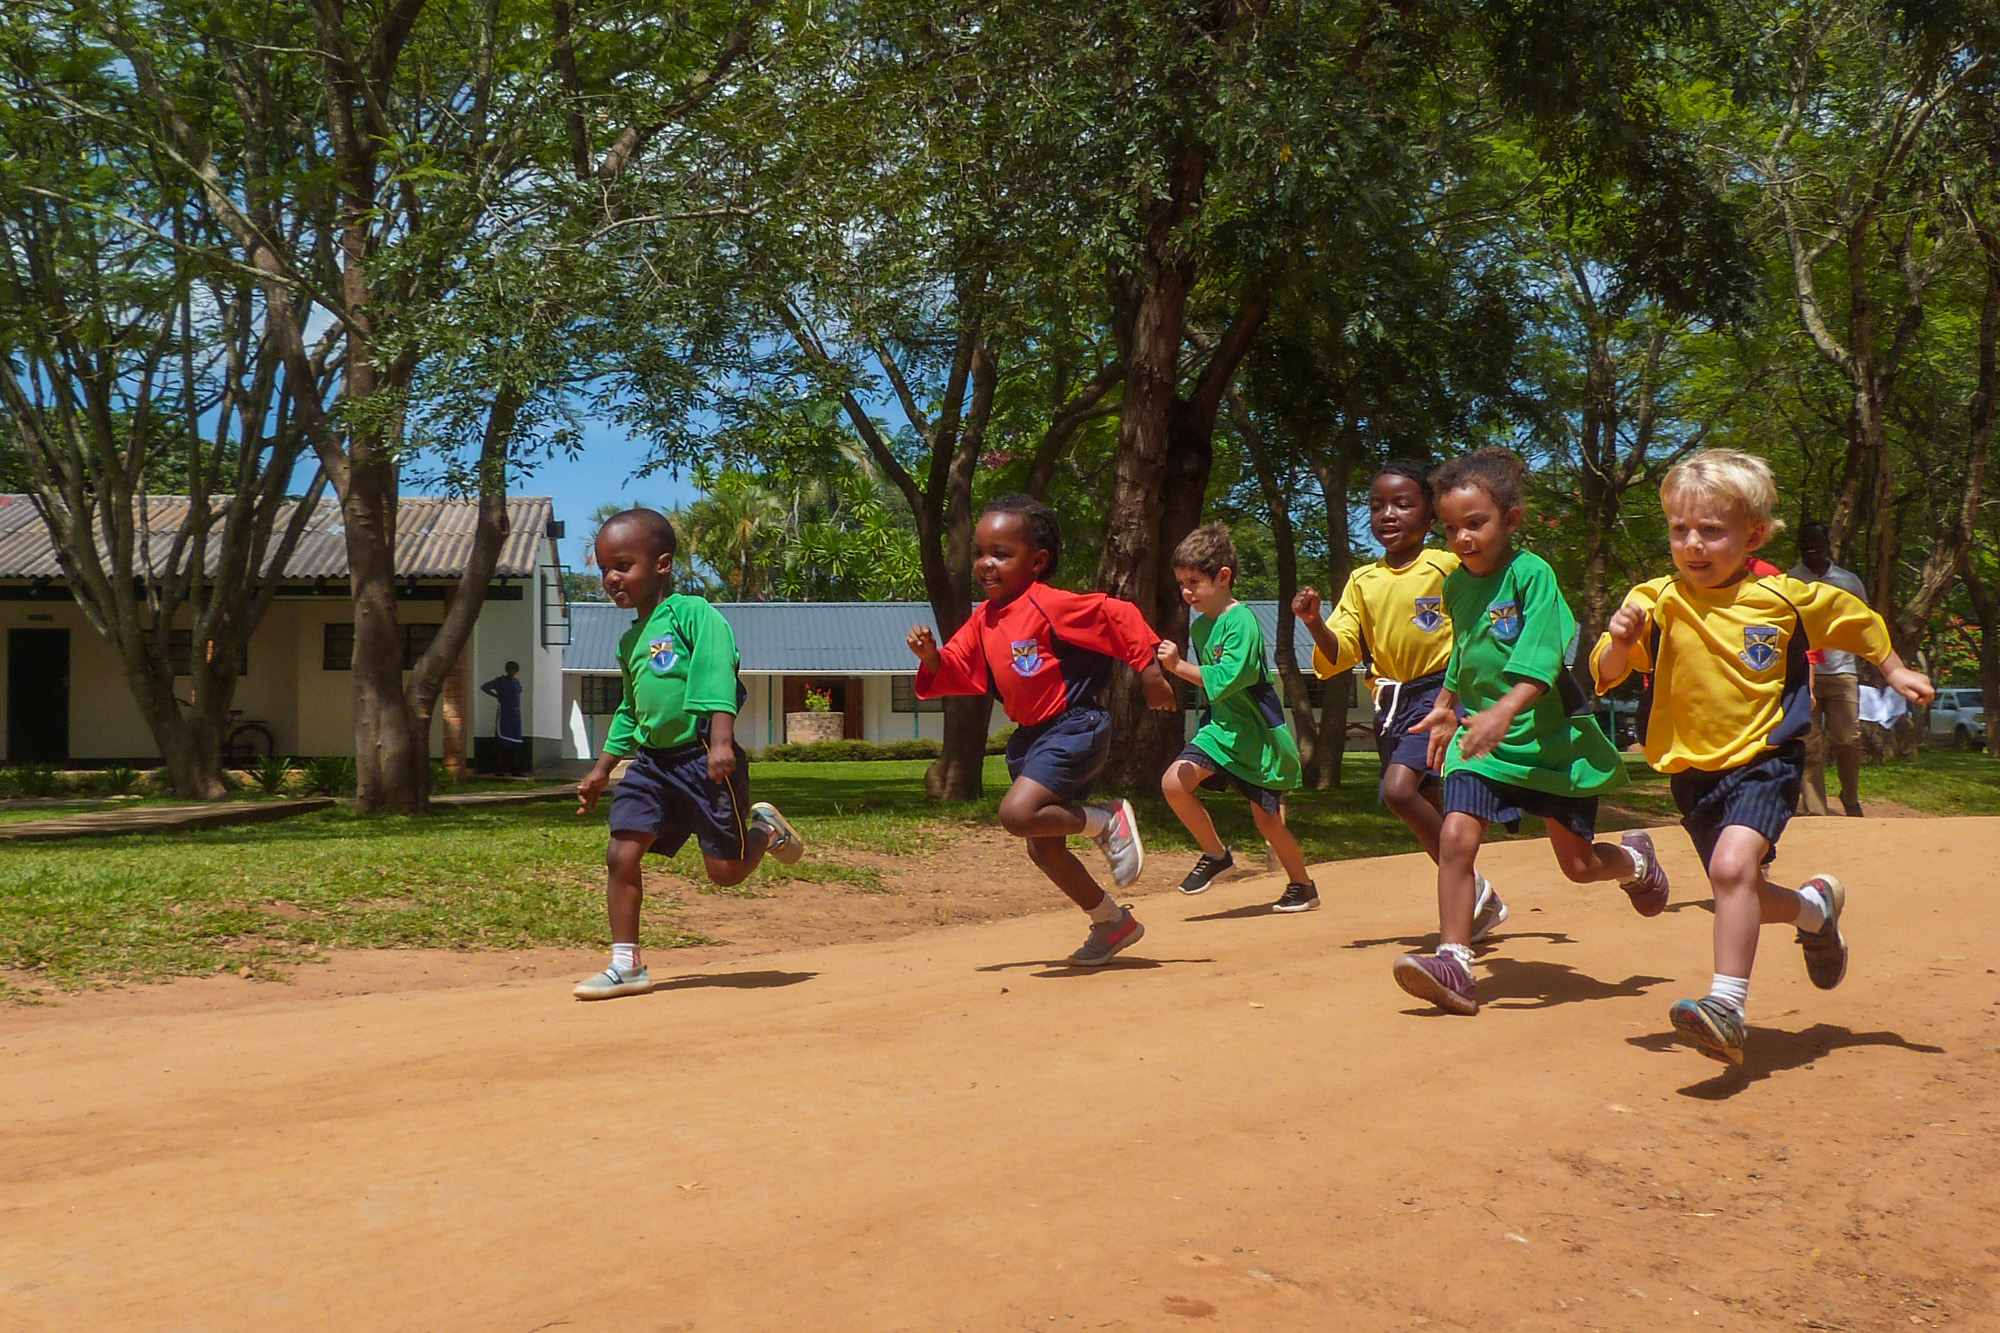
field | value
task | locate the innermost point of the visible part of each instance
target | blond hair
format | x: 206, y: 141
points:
x: 1741, y: 481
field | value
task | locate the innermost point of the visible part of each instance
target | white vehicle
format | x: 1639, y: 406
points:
x: 1960, y: 717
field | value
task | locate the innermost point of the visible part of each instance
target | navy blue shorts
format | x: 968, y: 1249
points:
x: 1066, y: 754
x: 1475, y: 794
x: 669, y: 794
x: 1221, y: 779
x: 1394, y: 741
x: 1759, y: 795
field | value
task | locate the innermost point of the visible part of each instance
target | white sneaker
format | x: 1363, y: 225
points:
x: 613, y: 982
x: 1120, y: 842
x: 785, y: 846
x: 1488, y: 912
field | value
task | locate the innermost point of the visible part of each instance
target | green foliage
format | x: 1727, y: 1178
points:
x: 35, y: 780
x: 843, y: 751
x: 271, y: 772
x: 116, y: 781
x: 328, y: 775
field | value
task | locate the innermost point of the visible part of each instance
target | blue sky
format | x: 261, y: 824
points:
x: 601, y: 473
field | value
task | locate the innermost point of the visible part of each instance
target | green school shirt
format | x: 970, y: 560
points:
x: 1511, y: 626
x: 1229, y: 649
x: 679, y: 665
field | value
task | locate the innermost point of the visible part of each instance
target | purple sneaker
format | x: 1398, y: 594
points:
x: 1647, y: 889
x: 1439, y: 978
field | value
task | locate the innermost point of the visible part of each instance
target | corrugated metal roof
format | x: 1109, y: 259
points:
x: 806, y: 638
x: 433, y: 537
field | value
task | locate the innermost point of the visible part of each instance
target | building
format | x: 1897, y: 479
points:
x: 854, y: 651
x: 67, y: 698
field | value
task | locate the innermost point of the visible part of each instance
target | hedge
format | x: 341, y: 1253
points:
x: 822, y: 752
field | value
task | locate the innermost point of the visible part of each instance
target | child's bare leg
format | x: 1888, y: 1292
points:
x: 1417, y: 805
x: 624, y: 887
x: 724, y: 874
x: 1030, y: 810
x: 1458, y: 849
x: 1178, y: 785
x: 1587, y: 862
x: 1745, y: 900
x: 1272, y: 827
x: 1055, y: 860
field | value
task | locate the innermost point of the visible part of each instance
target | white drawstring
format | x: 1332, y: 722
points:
x: 1394, y: 688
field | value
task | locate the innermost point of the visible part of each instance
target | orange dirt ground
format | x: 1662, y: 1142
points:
x: 1243, y: 1125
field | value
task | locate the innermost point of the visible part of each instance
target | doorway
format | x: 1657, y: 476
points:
x: 37, y: 695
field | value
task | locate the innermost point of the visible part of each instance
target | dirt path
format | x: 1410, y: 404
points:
x: 1246, y: 1126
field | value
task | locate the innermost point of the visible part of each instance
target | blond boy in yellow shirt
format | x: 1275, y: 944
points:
x: 1726, y: 713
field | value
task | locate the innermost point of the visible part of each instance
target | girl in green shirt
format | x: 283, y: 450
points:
x: 1528, y: 745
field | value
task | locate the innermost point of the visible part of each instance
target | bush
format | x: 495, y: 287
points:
x: 834, y: 751
x: 117, y: 781
x: 271, y: 772
x: 36, y: 780
x: 442, y: 778
x: 997, y: 742
x: 329, y: 775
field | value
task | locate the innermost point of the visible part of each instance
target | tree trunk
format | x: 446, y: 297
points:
x: 384, y: 768
x: 958, y: 773
x: 1334, y: 474
x: 1291, y: 679
x: 1986, y: 604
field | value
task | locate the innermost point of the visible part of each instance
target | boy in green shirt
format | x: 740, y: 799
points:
x: 1527, y: 745
x: 1243, y: 742
x: 677, y: 721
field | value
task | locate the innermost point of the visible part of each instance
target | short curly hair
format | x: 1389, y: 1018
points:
x: 1498, y: 472
x: 1207, y: 550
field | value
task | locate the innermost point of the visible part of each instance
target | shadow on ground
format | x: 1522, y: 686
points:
x: 735, y: 980
x: 1769, y: 1051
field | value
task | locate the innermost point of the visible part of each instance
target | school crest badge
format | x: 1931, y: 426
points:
x: 661, y: 654
x: 1027, y: 657
x: 1760, y: 647
x: 1430, y: 615
x: 1504, y: 619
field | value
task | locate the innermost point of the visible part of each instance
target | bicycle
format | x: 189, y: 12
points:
x: 249, y: 741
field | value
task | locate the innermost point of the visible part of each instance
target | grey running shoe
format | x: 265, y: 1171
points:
x: 1107, y: 939
x: 1715, y: 1028
x: 785, y: 845
x: 1120, y: 842
x: 1647, y: 889
x: 1439, y: 978
x: 613, y: 982
x: 1826, y: 948
x: 1488, y: 912
x: 1297, y: 898
x: 1206, y: 871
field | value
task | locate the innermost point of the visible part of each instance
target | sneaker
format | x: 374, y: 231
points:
x: 1825, y: 949
x: 1206, y: 871
x: 613, y: 982
x: 1488, y: 912
x: 1647, y: 889
x: 1439, y: 978
x: 1851, y: 811
x: 785, y: 845
x: 1715, y: 1028
x: 1120, y: 843
x: 1108, y: 939
x: 1297, y: 898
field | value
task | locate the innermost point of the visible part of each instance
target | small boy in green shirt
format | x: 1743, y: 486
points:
x: 677, y: 721
x: 1243, y: 741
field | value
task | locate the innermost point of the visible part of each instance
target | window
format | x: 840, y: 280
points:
x: 337, y: 645
x: 180, y: 651
x: 602, y: 694
x: 903, y: 697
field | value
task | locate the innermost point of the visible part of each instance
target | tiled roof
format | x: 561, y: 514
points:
x: 433, y: 537
x: 805, y: 638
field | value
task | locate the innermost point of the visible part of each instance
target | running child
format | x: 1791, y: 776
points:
x: 1391, y: 615
x: 1529, y: 744
x: 1243, y: 742
x: 677, y: 720
x: 1047, y: 655
x: 1726, y: 714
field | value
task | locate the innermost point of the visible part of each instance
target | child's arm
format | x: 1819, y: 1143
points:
x: 1835, y: 618
x: 1441, y: 723
x: 617, y: 745
x: 1160, y: 696
x: 1912, y: 685
x: 721, y: 746
x: 957, y: 668
x: 1114, y: 627
x: 1336, y: 642
x: 1173, y: 664
x: 1485, y: 729
x: 1613, y: 659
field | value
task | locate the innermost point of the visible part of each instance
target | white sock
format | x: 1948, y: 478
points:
x: 1462, y: 952
x: 1638, y: 862
x: 1812, y: 910
x: 1108, y: 910
x: 1095, y: 820
x: 1732, y: 991
x: 624, y: 957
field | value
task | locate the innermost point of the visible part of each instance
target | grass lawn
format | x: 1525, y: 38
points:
x: 264, y: 896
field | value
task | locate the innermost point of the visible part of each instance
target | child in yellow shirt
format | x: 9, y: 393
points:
x: 1726, y: 714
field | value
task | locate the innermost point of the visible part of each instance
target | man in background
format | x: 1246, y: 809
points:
x: 506, y: 690
x: 1836, y: 687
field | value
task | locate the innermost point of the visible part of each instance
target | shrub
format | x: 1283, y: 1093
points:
x: 271, y: 772
x: 118, y: 781
x: 329, y: 775
x: 819, y: 701
x: 442, y: 778
x: 997, y: 742
x: 37, y: 780
x: 832, y: 751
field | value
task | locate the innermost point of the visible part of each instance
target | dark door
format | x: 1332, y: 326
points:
x: 37, y: 695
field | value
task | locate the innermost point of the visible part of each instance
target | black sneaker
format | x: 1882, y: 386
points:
x: 1206, y: 871
x: 1297, y: 898
x: 1825, y: 948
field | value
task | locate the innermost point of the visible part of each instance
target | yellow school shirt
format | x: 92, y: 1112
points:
x: 1393, y: 617
x: 1730, y: 679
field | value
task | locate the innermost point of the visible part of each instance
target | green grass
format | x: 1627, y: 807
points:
x: 269, y: 895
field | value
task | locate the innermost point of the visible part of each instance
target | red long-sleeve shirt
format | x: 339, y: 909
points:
x: 1043, y: 653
